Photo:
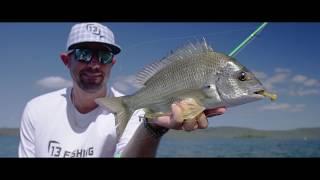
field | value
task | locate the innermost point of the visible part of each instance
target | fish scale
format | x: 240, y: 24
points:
x: 163, y: 90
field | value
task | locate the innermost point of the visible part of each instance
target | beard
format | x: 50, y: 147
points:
x: 90, y: 80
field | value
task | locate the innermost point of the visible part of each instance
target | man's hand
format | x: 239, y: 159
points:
x: 146, y: 146
x: 175, y: 120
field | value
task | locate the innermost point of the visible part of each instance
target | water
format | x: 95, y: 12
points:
x: 9, y: 146
x: 239, y: 148
x: 204, y: 147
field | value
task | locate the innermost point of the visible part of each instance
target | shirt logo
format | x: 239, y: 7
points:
x: 55, y: 149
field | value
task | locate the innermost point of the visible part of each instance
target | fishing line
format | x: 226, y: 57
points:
x: 185, y: 37
x: 248, y: 39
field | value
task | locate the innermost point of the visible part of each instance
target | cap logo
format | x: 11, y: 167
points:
x: 94, y: 30
x: 94, y: 33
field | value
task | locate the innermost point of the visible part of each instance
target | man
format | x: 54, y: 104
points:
x: 68, y: 122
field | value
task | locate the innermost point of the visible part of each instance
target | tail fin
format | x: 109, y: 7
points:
x: 120, y: 110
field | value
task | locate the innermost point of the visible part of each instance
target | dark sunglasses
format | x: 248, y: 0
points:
x: 85, y: 55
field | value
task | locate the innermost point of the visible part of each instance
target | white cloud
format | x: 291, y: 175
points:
x: 283, y: 107
x: 126, y: 84
x: 309, y: 82
x: 275, y: 106
x: 275, y: 79
x: 259, y: 75
x: 281, y: 76
x: 299, y: 78
x: 282, y: 70
x: 312, y: 82
x: 278, y: 78
x: 53, y: 82
x: 304, y: 92
x: 285, y: 82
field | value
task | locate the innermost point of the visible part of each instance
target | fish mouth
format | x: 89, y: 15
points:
x: 266, y: 94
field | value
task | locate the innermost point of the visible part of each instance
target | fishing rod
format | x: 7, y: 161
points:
x: 247, y: 40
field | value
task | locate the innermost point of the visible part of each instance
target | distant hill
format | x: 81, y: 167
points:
x: 9, y: 131
x: 224, y: 132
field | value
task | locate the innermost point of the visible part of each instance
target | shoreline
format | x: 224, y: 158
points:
x: 224, y: 132
x: 9, y: 131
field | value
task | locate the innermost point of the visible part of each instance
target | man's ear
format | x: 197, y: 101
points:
x: 114, y: 60
x: 65, y: 59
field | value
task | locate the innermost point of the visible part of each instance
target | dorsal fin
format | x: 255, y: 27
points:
x: 180, y: 54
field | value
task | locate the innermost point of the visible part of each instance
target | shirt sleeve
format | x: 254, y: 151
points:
x: 129, y: 131
x: 27, y: 131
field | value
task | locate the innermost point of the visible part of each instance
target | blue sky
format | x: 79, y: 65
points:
x: 284, y: 56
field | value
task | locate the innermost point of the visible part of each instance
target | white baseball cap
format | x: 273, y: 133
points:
x: 92, y: 32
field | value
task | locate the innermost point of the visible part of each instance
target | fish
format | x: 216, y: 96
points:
x: 195, y: 75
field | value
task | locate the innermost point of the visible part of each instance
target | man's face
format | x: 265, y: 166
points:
x: 90, y: 76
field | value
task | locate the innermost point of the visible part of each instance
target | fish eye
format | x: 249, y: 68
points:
x: 242, y: 76
x: 209, y: 86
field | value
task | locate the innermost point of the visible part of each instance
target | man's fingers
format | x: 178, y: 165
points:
x: 214, y: 112
x: 202, y: 121
x: 176, y: 121
x: 176, y: 117
x: 176, y: 113
x: 189, y: 124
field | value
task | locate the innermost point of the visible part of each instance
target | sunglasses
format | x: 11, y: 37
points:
x: 85, y: 55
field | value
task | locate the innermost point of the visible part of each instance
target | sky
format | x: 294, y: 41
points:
x: 284, y: 56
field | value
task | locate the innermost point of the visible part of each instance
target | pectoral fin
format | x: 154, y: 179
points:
x: 190, y: 108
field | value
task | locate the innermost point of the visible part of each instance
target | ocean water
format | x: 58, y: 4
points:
x: 246, y: 147
x: 251, y: 147
x: 9, y: 146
